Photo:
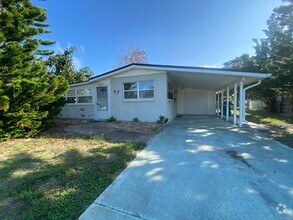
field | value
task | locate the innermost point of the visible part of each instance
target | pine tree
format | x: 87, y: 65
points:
x: 29, y: 95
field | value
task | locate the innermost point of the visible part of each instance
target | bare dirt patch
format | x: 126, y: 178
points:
x: 114, y: 131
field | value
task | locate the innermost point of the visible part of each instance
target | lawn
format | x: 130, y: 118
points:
x: 273, y: 119
x: 281, y: 126
x: 57, y: 178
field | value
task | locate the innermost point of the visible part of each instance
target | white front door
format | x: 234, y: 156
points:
x: 102, y: 103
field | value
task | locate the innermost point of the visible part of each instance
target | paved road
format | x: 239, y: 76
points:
x: 202, y: 168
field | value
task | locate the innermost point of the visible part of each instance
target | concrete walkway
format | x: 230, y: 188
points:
x: 202, y: 168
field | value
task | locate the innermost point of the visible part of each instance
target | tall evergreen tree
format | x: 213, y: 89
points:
x: 29, y: 95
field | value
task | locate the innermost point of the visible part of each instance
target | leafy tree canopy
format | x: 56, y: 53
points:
x: 62, y: 65
x: 273, y: 54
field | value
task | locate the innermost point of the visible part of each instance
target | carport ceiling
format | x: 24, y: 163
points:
x: 207, y: 81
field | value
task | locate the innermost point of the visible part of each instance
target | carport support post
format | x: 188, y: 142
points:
x: 222, y: 103
x: 235, y: 103
x: 227, y: 104
x: 241, y: 104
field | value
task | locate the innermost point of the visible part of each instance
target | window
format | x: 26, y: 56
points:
x: 84, y: 96
x: 102, y: 98
x: 79, y: 96
x: 170, y: 92
x: 139, y: 90
x: 130, y: 90
x: 71, y: 96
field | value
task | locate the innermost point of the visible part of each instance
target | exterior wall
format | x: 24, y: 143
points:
x: 77, y: 111
x: 171, y: 110
x: 148, y: 110
x: 195, y: 102
x: 87, y: 110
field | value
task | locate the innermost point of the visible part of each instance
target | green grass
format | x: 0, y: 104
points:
x: 280, y: 126
x: 51, y: 178
x: 273, y: 119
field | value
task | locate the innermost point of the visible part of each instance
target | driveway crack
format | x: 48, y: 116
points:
x: 136, y: 215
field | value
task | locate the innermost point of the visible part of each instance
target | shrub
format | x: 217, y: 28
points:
x: 166, y: 120
x: 162, y: 119
x: 135, y: 119
x: 111, y: 119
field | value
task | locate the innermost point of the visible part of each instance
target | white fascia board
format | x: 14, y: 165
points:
x: 209, y: 71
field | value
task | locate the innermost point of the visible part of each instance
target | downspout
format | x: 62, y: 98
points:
x: 244, y: 92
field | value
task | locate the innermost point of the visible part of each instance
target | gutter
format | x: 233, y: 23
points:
x: 244, y: 94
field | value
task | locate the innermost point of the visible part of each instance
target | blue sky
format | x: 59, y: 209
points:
x: 174, y: 32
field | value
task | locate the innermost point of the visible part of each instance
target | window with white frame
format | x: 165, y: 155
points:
x: 170, y: 92
x: 139, y: 90
x: 84, y: 96
x: 79, y: 96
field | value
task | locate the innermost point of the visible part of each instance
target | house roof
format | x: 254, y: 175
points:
x: 178, y: 69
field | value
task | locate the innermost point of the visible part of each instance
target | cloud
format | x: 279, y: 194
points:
x: 82, y: 49
x: 76, y: 63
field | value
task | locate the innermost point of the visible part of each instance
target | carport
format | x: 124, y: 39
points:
x: 204, y: 91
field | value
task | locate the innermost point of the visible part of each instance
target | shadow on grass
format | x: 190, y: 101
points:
x: 280, y: 126
x: 31, y: 188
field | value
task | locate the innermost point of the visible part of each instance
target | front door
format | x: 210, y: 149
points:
x: 102, y: 102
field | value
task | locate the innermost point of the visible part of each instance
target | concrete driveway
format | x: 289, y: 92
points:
x: 202, y: 168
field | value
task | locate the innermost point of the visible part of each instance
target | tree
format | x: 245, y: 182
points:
x: 129, y: 54
x: 62, y: 65
x: 273, y: 54
x: 29, y: 95
x: 244, y: 62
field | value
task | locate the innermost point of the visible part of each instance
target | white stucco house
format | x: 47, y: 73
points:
x: 147, y: 91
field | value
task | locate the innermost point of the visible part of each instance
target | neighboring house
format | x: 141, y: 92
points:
x: 147, y: 91
x: 285, y: 105
x: 256, y: 105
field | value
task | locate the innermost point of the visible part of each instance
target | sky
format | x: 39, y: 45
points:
x: 203, y: 33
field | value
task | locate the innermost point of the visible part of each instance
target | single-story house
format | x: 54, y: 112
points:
x: 146, y: 91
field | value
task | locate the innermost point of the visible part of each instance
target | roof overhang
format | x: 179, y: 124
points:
x: 191, y: 77
x: 212, y: 80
